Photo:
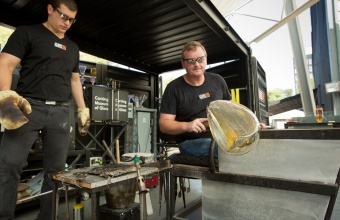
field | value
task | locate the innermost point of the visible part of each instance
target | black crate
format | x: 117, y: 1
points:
x: 130, y: 213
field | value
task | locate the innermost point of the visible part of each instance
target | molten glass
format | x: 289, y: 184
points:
x: 234, y: 127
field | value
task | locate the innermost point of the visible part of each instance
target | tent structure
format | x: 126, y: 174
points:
x: 325, y: 17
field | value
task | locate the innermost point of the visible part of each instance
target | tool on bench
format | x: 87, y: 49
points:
x: 109, y: 152
x: 142, y: 190
x: 117, y: 151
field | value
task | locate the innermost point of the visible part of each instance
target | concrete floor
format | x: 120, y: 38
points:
x: 194, y: 195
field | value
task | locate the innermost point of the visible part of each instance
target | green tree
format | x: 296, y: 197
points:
x: 288, y: 93
x: 278, y: 94
x: 274, y: 95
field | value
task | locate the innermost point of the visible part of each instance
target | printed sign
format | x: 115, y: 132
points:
x: 108, y: 104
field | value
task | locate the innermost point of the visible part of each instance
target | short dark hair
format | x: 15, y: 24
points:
x: 192, y: 45
x: 70, y: 4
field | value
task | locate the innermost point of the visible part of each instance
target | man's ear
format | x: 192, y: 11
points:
x: 49, y: 9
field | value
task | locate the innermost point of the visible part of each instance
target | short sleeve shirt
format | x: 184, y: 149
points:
x: 47, y: 62
x: 189, y: 102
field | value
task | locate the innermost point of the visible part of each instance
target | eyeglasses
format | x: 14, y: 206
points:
x: 65, y: 17
x: 192, y: 60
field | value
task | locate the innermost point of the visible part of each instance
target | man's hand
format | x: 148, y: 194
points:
x: 12, y: 109
x: 83, y: 117
x: 262, y: 126
x: 197, y: 125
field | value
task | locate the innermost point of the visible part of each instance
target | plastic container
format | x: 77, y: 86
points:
x: 78, y: 209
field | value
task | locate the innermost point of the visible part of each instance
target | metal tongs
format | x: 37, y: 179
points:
x: 142, y: 190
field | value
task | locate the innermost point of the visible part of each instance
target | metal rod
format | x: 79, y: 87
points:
x: 32, y: 197
x: 285, y: 20
x: 66, y: 201
x: 109, y: 152
x: 142, y: 202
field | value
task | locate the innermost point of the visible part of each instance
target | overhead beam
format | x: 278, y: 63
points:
x: 307, y: 96
x: 285, y: 20
x: 212, y: 17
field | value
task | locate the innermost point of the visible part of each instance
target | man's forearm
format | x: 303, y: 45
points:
x: 173, y: 127
x: 5, y: 77
x: 77, y: 93
x: 5, y: 82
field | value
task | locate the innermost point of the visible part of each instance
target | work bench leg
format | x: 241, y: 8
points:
x: 167, y: 195
x: 55, y: 201
x: 95, y: 205
x: 172, y: 193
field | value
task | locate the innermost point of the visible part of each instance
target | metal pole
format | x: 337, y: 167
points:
x: 307, y: 97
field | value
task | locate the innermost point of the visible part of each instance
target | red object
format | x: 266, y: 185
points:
x: 151, y: 181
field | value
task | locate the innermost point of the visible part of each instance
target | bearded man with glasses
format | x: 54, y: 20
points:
x: 49, y: 79
x: 185, y: 99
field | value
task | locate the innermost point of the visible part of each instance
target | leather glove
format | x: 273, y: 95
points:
x: 12, y: 109
x: 84, y: 121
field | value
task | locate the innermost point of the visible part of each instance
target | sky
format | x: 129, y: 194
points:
x: 274, y: 52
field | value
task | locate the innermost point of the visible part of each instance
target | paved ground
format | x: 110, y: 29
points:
x: 194, y: 194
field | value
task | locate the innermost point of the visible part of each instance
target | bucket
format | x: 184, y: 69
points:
x: 122, y: 195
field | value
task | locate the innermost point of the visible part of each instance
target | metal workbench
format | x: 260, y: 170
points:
x: 93, y: 184
x: 290, y: 174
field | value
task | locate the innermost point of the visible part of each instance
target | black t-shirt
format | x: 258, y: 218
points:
x: 47, y: 62
x: 189, y: 102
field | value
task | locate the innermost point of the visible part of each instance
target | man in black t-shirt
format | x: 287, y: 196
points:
x: 49, y: 79
x: 185, y: 99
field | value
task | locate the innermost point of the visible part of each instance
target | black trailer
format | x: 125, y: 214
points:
x: 147, y: 35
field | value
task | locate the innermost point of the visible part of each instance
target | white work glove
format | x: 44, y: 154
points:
x: 13, y: 108
x: 84, y: 120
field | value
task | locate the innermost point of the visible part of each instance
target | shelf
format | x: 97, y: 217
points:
x: 312, y: 125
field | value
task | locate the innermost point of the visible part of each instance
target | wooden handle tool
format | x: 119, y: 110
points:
x: 117, y: 151
x: 109, y: 152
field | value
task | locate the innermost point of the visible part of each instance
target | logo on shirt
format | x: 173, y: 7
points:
x: 60, y: 46
x: 204, y: 96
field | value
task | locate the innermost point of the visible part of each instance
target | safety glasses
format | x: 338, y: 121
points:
x: 192, y: 60
x: 65, y: 17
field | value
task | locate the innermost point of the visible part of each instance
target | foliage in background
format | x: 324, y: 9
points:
x: 278, y: 94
